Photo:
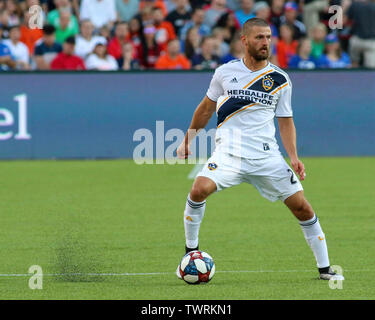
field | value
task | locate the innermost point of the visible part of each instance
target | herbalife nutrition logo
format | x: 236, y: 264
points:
x: 36, y: 17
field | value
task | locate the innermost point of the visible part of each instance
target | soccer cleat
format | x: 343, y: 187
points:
x: 329, y: 274
x: 187, y: 250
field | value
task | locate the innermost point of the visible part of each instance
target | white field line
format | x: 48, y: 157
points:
x: 160, y: 273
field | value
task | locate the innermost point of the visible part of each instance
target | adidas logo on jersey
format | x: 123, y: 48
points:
x: 234, y: 80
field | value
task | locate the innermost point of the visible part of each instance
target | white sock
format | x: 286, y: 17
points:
x: 316, y: 239
x: 193, y: 215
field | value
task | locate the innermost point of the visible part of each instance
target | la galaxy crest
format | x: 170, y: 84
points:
x: 212, y: 166
x: 267, y: 83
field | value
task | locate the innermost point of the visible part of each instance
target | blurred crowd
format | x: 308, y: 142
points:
x: 181, y: 34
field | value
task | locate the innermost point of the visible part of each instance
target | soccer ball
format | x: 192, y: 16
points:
x: 196, y: 267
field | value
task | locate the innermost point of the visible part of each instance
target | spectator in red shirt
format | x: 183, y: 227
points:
x: 150, y: 50
x: 286, y: 47
x: 164, y: 29
x: 136, y: 36
x: 173, y: 59
x: 66, y: 60
x: 118, y: 41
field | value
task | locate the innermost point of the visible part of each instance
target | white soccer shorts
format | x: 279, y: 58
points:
x: 271, y: 176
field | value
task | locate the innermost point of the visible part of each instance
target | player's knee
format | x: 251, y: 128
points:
x: 303, y: 210
x: 199, y: 193
x: 201, y: 189
x: 300, y: 207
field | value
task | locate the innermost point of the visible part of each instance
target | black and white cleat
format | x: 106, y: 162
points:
x: 329, y: 274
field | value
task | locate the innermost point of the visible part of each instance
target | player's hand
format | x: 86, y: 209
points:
x: 299, y: 168
x: 183, y: 151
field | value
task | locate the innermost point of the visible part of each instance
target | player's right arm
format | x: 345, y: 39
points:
x: 202, y: 115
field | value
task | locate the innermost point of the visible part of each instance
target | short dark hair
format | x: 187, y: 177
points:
x: 291, y: 28
x: 301, y: 41
x: 119, y: 23
x: 16, y: 26
x: 49, y: 29
x: 196, y: 9
x: 70, y: 39
x: 156, y: 9
x: 253, y: 22
x: 204, y: 39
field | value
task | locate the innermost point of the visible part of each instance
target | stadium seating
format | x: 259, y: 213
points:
x: 134, y: 34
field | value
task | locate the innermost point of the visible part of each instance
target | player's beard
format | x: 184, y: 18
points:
x: 258, y: 55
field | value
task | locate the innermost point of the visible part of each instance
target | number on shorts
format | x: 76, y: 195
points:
x: 292, y: 181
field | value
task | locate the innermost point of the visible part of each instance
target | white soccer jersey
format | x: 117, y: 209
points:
x: 247, y: 103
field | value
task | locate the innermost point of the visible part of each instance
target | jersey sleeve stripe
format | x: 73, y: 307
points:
x: 273, y: 92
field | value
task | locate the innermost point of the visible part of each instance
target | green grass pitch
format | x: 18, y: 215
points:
x: 107, y: 218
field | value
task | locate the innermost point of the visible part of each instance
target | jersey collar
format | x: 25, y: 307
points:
x: 246, y: 68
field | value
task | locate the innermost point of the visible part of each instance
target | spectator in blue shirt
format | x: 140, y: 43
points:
x: 236, y: 51
x: 334, y: 57
x: 303, y: 59
x: 207, y: 59
x: 290, y: 17
x: 197, y: 19
x: 246, y: 11
x: 6, y: 59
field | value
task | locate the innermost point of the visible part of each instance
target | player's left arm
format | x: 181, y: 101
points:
x: 289, y: 140
x: 287, y: 129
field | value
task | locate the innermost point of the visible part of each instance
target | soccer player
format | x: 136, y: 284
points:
x: 247, y: 94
